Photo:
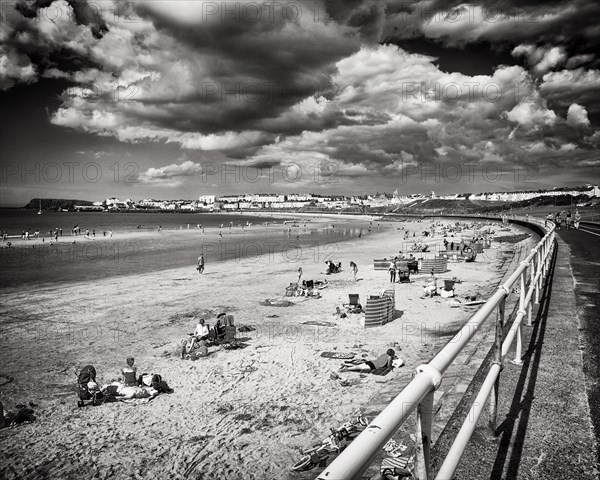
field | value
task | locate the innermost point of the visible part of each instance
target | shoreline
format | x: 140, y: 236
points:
x: 80, y: 258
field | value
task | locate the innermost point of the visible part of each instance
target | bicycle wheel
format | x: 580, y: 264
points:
x: 304, y: 464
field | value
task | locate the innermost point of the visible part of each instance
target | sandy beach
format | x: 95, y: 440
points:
x: 239, y: 414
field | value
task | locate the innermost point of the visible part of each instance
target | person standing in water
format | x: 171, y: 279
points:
x: 201, y: 263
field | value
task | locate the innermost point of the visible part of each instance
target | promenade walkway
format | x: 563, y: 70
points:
x: 544, y: 429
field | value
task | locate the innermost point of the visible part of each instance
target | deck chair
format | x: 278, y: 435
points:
x: 353, y: 305
x: 413, y: 266
x: 449, y: 285
x: 291, y: 290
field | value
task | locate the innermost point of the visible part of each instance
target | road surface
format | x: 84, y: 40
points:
x: 585, y: 262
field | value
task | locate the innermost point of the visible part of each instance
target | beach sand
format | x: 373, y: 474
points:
x: 238, y: 414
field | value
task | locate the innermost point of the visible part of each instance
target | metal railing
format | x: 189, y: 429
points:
x: 419, y: 393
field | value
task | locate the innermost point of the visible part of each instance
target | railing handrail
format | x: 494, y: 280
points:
x: 359, y: 454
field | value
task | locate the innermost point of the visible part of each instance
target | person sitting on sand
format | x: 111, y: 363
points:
x: 383, y: 361
x: 430, y: 288
x: 202, y: 331
x: 129, y: 373
x: 201, y: 334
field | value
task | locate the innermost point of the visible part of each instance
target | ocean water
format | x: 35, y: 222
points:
x: 16, y: 221
x: 133, y: 251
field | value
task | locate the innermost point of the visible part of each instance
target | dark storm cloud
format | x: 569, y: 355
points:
x: 257, y: 69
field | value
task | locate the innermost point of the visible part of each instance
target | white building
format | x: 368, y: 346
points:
x: 207, y: 199
x: 188, y: 207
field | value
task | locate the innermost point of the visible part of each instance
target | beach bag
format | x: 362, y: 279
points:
x: 149, y: 380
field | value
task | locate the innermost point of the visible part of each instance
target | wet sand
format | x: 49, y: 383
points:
x: 241, y: 414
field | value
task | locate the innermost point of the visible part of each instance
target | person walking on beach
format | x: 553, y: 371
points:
x: 557, y: 220
x: 568, y: 220
x: 392, y: 271
x: 354, y: 269
x: 201, y: 263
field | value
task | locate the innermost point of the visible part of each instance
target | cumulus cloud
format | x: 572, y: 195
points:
x: 577, y: 116
x: 15, y: 68
x: 541, y: 59
x: 532, y: 114
x: 579, y: 85
x: 171, y: 175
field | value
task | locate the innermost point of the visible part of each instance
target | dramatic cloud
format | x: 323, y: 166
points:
x: 541, y: 59
x: 573, y: 86
x: 311, y: 84
x: 577, y: 116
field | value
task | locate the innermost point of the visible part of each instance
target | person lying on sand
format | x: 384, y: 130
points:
x: 384, y: 360
x: 119, y: 391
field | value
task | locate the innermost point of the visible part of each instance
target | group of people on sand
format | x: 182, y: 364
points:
x: 333, y: 267
x: 128, y: 386
x: 564, y: 218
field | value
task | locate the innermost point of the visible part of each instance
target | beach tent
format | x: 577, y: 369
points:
x: 380, y: 309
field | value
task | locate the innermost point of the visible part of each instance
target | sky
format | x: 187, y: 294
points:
x: 176, y: 99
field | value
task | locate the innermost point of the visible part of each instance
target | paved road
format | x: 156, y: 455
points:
x: 585, y: 262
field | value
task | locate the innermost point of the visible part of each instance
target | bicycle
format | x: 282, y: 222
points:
x: 393, y: 474
x: 334, y: 443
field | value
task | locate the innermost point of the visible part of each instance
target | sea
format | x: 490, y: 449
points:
x: 138, y: 245
x: 15, y: 221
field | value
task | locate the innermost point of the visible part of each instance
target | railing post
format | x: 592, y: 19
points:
x: 498, y: 360
x: 517, y: 360
x: 531, y: 287
x: 424, y: 425
x: 543, y: 260
x: 538, y: 274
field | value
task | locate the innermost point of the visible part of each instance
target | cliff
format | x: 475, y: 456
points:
x: 54, y: 203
